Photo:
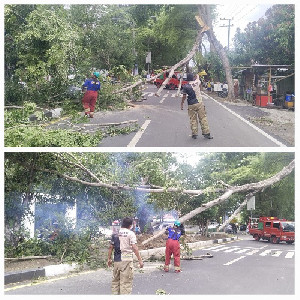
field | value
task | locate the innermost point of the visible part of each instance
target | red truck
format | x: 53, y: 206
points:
x: 272, y: 229
x: 173, y: 82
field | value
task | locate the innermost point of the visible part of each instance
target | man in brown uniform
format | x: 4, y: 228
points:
x: 195, y: 106
x: 124, y: 245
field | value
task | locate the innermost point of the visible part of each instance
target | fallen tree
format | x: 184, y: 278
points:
x: 173, y: 68
x: 205, y: 21
x: 250, y: 187
x: 183, y: 61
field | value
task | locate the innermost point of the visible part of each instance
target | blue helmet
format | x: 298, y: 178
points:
x: 97, y: 74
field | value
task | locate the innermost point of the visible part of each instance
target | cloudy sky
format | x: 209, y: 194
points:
x: 240, y: 15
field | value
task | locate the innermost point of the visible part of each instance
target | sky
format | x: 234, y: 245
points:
x: 240, y: 16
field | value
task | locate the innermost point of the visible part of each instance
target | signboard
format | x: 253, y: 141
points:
x: 148, y: 58
x: 251, y: 203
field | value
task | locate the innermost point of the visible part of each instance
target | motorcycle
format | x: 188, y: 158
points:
x: 223, y: 93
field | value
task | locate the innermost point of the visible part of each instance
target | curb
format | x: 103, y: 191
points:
x: 54, y: 270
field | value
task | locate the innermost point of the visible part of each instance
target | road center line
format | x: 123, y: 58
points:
x: 163, y: 98
x: 248, y: 123
x: 233, y: 261
x: 139, y: 134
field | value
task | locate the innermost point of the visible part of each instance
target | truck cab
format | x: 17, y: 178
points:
x: 273, y: 229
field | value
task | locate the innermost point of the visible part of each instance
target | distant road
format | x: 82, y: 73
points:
x: 164, y: 124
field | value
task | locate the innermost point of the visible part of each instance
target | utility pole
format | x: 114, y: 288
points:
x: 229, y: 25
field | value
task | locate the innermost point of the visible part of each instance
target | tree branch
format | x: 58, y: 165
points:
x: 246, y: 187
x: 237, y: 211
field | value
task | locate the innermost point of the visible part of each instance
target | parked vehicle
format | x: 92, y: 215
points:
x: 273, y: 229
x: 173, y: 82
x: 231, y: 228
x: 243, y: 227
x: 221, y: 89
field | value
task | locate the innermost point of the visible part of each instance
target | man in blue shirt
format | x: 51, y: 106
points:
x: 92, y: 86
x: 196, y: 108
x: 173, y: 247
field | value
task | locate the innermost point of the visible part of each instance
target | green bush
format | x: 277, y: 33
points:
x: 67, y: 246
x: 31, y: 136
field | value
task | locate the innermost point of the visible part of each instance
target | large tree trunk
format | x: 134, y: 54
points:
x: 205, y: 15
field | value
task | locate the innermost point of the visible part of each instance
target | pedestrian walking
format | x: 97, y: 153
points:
x: 173, y: 246
x: 92, y: 86
x: 196, y: 108
x: 124, y: 245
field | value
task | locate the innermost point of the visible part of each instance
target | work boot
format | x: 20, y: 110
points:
x: 194, y: 136
x: 208, y: 136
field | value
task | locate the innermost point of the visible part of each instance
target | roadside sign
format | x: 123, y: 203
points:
x: 251, y: 203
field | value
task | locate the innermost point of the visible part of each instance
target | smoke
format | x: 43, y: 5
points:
x: 145, y: 210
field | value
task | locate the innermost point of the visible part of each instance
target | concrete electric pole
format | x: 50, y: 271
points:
x: 229, y: 25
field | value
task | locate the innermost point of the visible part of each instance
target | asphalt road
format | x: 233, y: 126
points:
x: 164, y: 124
x: 242, y: 267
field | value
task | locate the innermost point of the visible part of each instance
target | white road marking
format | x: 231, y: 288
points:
x: 223, y: 248
x: 277, y: 253
x: 252, y: 252
x: 290, y: 255
x: 248, y: 123
x: 232, y: 249
x: 242, y: 251
x: 266, y: 252
x: 214, y: 247
x: 139, y: 134
x: 163, y: 98
x: 233, y: 261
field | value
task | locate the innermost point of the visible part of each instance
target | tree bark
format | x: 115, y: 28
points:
x: 205, y: 15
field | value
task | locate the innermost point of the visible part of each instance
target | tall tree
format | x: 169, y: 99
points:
x: 270, y: 40
x: 205, y: 13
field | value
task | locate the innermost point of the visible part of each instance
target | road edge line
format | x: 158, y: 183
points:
x: 248, y: 123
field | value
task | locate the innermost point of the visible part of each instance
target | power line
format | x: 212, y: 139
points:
x: 232, y: 10
x: 231, y: 7
x: 248, y: 12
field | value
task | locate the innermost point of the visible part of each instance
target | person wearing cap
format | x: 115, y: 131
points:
x: 196, y: 108
x: 173, y: 246
x: 92, y: 86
